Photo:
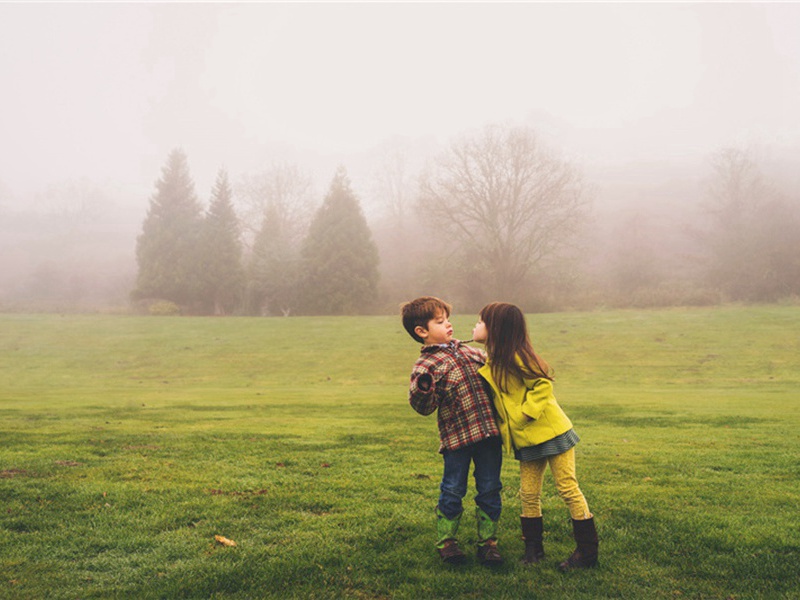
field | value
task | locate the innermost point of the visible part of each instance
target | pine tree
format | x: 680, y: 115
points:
x: 280, y: 204
x: 274, y: 267
x: 340, y: 259
x: 167, y: 248
x: 222, y: 274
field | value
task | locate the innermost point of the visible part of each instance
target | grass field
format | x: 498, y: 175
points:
x: 127, y: 444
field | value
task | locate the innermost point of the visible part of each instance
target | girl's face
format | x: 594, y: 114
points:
x: 479, y: 333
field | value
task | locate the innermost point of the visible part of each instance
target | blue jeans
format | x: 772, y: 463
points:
x: 488, y: 458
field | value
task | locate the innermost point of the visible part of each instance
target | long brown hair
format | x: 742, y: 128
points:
x: 507, y: 339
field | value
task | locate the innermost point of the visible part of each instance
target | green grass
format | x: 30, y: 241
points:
x: 127, y: 444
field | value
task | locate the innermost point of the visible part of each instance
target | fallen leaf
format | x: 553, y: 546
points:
x: 225, y: 541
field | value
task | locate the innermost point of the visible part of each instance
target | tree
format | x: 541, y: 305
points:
x: 274, y: 267
x: 279, y: 198
x: 637, y: 265
x: 285, y: 191
x: 392, y: 183
x: 167, y: 250
x: 504, y: 204
x: 340, y: 260
x: 752, y: 240
x: 397, y: 228
x: 222, y: 275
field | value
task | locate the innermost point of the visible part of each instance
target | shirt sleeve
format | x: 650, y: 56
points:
x: 423, y: 397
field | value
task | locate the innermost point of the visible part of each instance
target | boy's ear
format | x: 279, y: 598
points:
x: 421, y: 331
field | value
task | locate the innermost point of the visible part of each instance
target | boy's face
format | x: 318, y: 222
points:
x: 439, y: 330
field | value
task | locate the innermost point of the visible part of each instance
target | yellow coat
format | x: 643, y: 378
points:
x: 528, y: 413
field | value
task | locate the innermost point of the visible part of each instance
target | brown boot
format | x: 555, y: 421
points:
x: 451, y: 553
x: 532, y: 533
x: 488, y: 554
x: 585, y: 555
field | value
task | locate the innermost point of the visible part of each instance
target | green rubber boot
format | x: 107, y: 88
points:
x: 488, y: 554
x: 446, y: 543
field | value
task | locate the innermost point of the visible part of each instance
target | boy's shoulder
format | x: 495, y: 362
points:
x: 472, y: 352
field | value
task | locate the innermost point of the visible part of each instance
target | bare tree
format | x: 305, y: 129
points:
x: 505, y: 202
x: 736, y: 189
x: 735, y: 192
x: 752, y: 238
x: 393, y: 184
x: 74, y: 201
x: 284, y: 192
x: 397, y: 229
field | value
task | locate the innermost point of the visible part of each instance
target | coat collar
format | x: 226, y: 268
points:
x: 454, y: 344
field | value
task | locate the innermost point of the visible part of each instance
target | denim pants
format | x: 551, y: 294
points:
x: 487, y: 456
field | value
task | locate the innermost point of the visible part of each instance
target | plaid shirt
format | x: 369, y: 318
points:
x: 466, y: 415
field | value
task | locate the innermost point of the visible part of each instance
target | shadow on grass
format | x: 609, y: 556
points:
x: 619, y: 416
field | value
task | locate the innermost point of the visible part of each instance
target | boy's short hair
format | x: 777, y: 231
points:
x: 419, y: 312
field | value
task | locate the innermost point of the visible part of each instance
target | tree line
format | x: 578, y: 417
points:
x: 495, y: 215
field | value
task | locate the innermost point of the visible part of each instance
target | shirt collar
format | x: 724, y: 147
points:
x: 449, y: 345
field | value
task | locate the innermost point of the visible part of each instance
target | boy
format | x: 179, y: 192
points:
x: 446, y: 377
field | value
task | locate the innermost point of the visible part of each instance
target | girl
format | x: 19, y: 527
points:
x: 534, y: 426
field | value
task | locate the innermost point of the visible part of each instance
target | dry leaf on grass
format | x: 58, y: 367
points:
x: 225, y: 541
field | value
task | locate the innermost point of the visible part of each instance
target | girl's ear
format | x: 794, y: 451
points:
x: 421, y: 331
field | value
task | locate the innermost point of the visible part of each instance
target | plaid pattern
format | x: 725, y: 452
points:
x: 466, y: 414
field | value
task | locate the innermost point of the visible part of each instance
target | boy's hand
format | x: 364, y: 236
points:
x: 424, y: 382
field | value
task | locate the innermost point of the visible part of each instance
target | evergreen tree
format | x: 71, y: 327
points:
x: 274, y: 266
x: 167, y: 248
x: 279, y: 199
x: 222, y: 275
x: 340, y: 259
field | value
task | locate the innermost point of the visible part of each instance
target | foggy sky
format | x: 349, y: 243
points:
x: 105, y: 91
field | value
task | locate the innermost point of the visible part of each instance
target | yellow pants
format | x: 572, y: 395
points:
x: 531, y: 475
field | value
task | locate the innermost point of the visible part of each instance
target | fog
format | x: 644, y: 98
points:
x: 95, y: 96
